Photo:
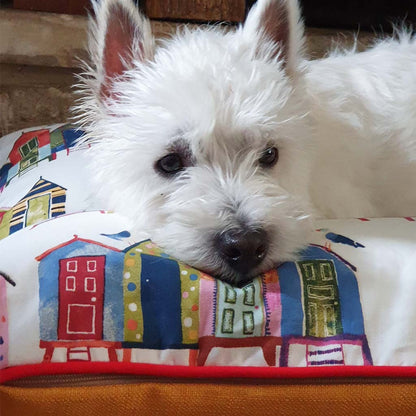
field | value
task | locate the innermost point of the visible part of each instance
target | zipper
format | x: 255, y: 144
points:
x: 74, y: 380
x: 85, y: 380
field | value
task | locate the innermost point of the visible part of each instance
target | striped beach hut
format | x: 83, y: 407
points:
x: 43, y: 201
x: 5, y: 216
x: 161, y: 300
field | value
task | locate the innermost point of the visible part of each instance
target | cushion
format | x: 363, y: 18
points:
x: 81, y: 293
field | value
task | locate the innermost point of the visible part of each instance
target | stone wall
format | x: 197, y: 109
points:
x: 40, y: 52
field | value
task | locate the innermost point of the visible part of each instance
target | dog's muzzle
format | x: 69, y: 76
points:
x: 243, y: 250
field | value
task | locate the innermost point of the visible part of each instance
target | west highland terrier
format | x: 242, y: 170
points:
x: 224, y: 144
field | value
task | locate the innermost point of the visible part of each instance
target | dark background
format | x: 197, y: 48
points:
x: 364, y: 14
x: 344, y: 14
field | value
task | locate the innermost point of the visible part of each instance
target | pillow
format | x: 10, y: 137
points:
x: 80, y: 293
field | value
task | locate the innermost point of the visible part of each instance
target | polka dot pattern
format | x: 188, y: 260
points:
x: 132, y: 281
x: 190, y: 303
x: 133, y: 319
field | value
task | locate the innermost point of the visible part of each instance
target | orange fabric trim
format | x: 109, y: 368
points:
x: 210, y: 399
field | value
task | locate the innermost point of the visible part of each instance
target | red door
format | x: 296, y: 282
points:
x: 81, y: 296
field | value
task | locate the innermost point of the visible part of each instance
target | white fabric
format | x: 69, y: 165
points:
x: 381, y: 251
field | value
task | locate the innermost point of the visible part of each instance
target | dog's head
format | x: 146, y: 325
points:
x: 202, y: 141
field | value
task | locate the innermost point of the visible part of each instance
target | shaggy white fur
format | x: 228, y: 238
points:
x: 214, y: 102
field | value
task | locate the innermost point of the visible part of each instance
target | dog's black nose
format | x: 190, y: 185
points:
x: 243, y: 250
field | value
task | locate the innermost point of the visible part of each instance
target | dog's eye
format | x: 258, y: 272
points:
x: 170, y: 164
x: 269, y: 157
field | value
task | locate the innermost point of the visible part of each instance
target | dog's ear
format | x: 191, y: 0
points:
x: 119, y: 36
x: 277, y: 28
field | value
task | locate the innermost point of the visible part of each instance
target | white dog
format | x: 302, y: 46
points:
x: 224, y: 145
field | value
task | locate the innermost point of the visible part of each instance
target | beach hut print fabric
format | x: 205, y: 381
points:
x: 41, y: 197
x: 305, y: 313
x: 34, y: 146
x: 44, y: 200
x: 93, y: 295
x: 80, y: 298
x: 77, y: 285
x: 322, y: 319
x: 71, y: 270
x: 97, y: 296
x: 161, y: 300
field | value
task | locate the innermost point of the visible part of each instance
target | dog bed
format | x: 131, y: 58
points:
x: 95, y: 319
